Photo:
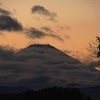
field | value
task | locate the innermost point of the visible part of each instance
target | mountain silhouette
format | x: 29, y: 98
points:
x: 48, y: 51
x: 40, y: 65
x: 44, y: 65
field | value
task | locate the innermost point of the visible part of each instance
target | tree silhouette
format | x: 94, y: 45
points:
x: 52, y: 93
x: 94, y: 47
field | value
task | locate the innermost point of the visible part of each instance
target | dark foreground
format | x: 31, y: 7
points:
x: 53, y: 93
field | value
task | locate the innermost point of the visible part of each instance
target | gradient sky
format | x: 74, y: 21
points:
x: 69, y: 25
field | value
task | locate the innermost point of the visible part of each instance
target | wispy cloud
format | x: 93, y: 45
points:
x: 1, y: 34
x: 36, y: 33
x: 8, y: 23
x: 0, y: 4
x: 43, y: 11
x: 56, y: 37
x: 47, y: 29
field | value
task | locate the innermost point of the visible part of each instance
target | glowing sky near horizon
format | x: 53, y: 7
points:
x: 77, y: 22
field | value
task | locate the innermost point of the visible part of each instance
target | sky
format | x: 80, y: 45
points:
x: 69, y: 25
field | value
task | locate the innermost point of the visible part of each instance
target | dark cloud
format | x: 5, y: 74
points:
x: 35, y: 33
x: 8, y: 23
x: 47, y: 29
x: 37, y: 82
x: 25, y: 57
x: 56, y: 37
x: 41, y: 79
x: 6, y: 53
x: 41, y: 10
x: 4, y: 12
x: 94, y: 64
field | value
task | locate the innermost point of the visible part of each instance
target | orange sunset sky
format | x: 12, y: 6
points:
x: 75, y: 24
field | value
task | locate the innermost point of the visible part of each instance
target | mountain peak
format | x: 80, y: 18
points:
x: 41, y: 46
x: 49, y: 54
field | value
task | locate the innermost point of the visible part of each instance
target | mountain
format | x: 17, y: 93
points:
x: 49, y: 64
x: 48, y: 52
x: 38, y: 66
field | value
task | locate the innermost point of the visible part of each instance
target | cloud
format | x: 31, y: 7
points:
x: 46, y: 29
x: 42, y: 11
x: 6, y: 53
x: 38, y: 82
x: 56, y: 37
x: 8, y: 23
x: 1, y: 34
x: 67, y: 36
x: 14, y: 11
x: 68, y: 27
x: 0, y: 3
x: 35, y: 33
x: 94, y: 63
x: 4, y: 12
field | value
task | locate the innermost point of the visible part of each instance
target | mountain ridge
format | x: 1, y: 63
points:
x: 46, y: 46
